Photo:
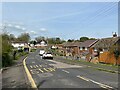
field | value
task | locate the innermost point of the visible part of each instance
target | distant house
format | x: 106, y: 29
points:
x: 21, y: 45
x: 18, y: 44
x: 42, y: 43
x: 86, y: 46
x: 72, y: 48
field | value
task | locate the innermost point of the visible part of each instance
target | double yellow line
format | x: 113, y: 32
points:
x: 29, y: 75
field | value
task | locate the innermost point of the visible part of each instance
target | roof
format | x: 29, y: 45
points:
x: 88, y: 43
x: 106, y: 42
x: 18, y: 42
x: 71, y: 44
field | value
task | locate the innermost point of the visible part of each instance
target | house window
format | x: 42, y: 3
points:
x: 86, y: 48
x: 95, y: 49
x: 81, y: 48
x: 105, y: 49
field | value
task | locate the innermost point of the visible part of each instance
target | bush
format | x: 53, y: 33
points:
x: 6, y: 59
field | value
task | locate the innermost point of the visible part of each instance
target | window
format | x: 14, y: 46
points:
x: 81, y: 48
x: 86, y: 48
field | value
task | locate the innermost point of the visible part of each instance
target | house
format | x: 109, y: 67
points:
x: 21, y: 45
x: 86, y: 48
x: 18, y: 44
x: 40, y: 44
x: 72, y: 48
x: 105, y: 48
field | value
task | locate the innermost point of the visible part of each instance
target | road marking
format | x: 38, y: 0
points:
x: 31, y: 66
x: 45, y: 69
x: 40, y: 65
x: 29, y: 75
x: 41, y: 70
x: 83, y: 78
x: 33, y: 62
x: 65, y: 71
x: 36, y: 65
x: 32, y: 72
x: 100, y: 84
x: 51, y: 69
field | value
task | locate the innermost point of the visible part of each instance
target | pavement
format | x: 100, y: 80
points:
x: 15, y: 76
x: 48, y: 73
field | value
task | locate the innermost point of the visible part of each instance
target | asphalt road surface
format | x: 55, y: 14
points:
x: 52, y: 74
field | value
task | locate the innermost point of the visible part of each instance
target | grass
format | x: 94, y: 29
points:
x: 79, y: 62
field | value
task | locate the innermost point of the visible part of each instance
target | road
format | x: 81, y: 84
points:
x: 53, y: 74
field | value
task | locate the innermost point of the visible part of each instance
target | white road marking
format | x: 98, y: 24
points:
x: 51, y: 69
x: 36, y: 65
x: 33, y: 62
x: 86, y: 79
x: 65, y: 71
x: 41, y: 70
x: 45, y: 69
x: 31, y: 66
x: 40, y: 65
x: 100, y: 84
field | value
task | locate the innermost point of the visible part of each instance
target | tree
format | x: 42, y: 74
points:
x: 70, y: 40
x: 40, y: 38
x: 33, y: 42
x: 6, y: 50
x: 82, y: 39
x: 12, y: 37
x: 24, y: 37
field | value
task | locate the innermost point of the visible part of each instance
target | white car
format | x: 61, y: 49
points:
x: 42, y: 51
x: 47, y: 56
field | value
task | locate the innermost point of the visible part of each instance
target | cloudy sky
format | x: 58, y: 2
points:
x: 68, y: 20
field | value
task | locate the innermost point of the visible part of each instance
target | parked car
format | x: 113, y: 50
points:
x: 42, y: 51
x: 47, y: 55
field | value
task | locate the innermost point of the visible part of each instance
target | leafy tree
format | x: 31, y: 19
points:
x: 12, y: 37
x: 82, y: 39
x: 40, y: 38
x: 6, y: 50
x: 33, y: 42
x: 70, y: 40
x: 24, y: 37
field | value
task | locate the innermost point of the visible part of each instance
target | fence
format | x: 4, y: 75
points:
x: 107, y: 57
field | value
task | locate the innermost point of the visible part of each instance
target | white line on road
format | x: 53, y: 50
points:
x: 86, y: 79
x: 41, y: 70
x: 36, y: 65
x: 65, y: 71
x: 100, y: 84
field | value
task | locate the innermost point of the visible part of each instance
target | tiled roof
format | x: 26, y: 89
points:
x: 71, y: 44
x: 106, y: 42
x: 88, y: 43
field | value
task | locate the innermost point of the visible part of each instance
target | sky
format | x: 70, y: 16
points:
x: 67, y: 20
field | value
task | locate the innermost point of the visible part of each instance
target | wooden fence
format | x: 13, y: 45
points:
x: 107, y: 57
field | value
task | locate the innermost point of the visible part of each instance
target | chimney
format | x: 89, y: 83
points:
x: 114, y: 35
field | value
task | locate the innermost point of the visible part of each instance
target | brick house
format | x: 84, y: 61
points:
x: 72, y: 48
x: 86, y: 48
x: 105, y: 47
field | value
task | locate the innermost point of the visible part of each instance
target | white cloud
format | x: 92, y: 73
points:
x: 23, y: 29
x: 43, y: 29
x: 10, y: 25
x: 18, y: 27
x: 33, y: 32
